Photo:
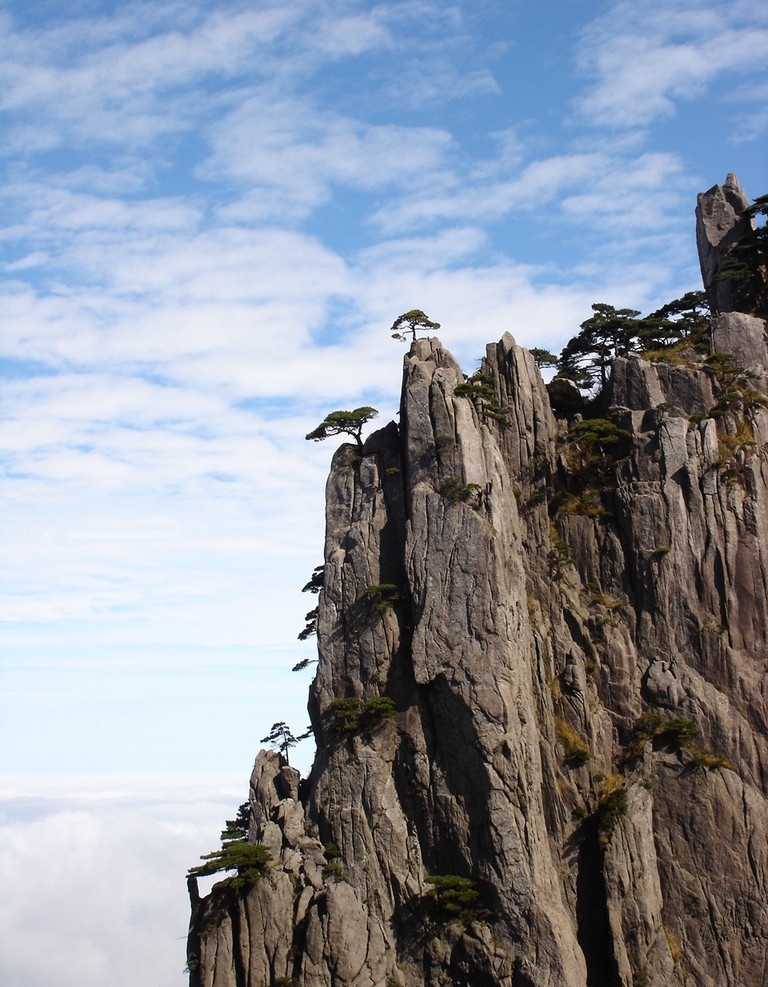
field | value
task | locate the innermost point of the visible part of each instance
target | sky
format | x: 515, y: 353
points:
x: 212, y: 213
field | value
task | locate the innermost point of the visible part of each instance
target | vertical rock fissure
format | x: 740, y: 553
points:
x: 594, y: 929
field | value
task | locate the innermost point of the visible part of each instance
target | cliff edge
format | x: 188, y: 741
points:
x: 541, y: 703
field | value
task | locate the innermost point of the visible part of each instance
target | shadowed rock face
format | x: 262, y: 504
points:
x: 576, y: 651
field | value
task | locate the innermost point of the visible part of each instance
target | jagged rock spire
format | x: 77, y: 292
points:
x: 719, y: 226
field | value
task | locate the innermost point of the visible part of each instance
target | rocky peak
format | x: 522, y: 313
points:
x: 719, y: 226
x: 540, y: 704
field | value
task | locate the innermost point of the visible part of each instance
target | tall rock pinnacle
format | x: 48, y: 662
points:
x: 540, y: 704
x: 719, y: 226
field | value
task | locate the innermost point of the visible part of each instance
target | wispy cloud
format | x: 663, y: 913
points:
x: 290, y: 155
x: 645, y: 59
x: 212, y: 214
x: 128, y: 77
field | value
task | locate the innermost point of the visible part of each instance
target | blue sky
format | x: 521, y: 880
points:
x: 212, y: 213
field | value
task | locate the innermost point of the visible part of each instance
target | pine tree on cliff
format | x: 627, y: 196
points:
x: 611, y: 332
x: 747, y: 265
x: 343, y: 422
x: 412, y: 322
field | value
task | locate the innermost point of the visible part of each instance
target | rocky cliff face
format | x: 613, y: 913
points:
x: 541, y: 705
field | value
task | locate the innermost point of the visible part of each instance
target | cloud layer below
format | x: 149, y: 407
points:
x: 93, y: 875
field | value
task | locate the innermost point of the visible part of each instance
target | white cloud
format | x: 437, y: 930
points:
x: 93, y: 875
x: 240, y: 210
x: 750, y: 123
x: 646, y: 58
x: 128, y: 78
x: 289, y: 155
x: 595, y: 195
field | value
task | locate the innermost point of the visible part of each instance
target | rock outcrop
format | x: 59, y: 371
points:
x: 541, y: 703
x: 719, y: 226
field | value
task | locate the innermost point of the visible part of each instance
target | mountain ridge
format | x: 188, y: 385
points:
x: 542, y: 752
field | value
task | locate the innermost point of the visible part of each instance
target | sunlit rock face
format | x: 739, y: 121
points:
x: 541, y: 703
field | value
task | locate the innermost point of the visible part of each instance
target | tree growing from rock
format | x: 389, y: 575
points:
x: 343, y: 423
x: 747, y: 265
x: 412, y: 322
x: 249, y: 860
x: 315, y: 582
x: 281, y: 738
x: 543, y: 358
x: 304, y: 663
x: 611, y: 332
x: 683, y: 319
x: 310, y: 627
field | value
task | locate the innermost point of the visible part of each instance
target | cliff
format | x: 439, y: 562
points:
x: 541, y: 703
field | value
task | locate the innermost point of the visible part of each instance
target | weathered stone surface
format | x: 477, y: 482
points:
x: 744, y: 337
x: 719, y: 225
x: 557, y: 611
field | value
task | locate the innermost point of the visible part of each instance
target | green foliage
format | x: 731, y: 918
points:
x: 686, y: 319
x: 596, y: 436
x: 543, y: 358
x: 480, y: 389
x: 456, y: 491
x: 379, y: 709
x: 237, y: 828
x: 680, y: 731
x: 444, y: 442
x: 728, y: 375
x: 304, y: 663
x: 660, y: 551
x: 560, y: 554
x: 681, y: 325
x: 479, y: 385
x: 315, y: 583
x: 281, y: 738
x: 351, y: 714
x: 594, y: 445
x: 746, y: 267
x: 585, y: 502
x: 383, y: 595
x: 346, y: 714
x: 673, y: 731
x: 742, y: 437
x: 249, y: 860
x: 412, y: 322
x: 454, y: 897
x: 609, y: 333
x: 611, y: 808
x: 343, y: 422
x: 311, y: 625
x: 334, y: 869
x: 598, y: 597
x: 751, y: 400
x: 706, y: 759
